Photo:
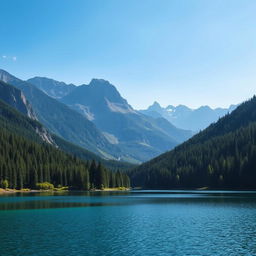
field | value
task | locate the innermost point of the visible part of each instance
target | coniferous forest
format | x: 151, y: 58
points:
x: 222, y: 156
x: 24, y: 163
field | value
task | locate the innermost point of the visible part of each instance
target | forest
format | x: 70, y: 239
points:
x: 221, y: 156
x: 24, y: 164
x: 26, y: 160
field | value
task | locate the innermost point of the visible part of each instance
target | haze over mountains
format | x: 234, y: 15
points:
x: 186, y: 118
x: 97, y: 118
x: 139, y: 137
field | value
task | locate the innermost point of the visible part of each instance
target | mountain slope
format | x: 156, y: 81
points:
x: 29, y: 155
x: 15, y: 122
x: 186, y: 118
x: 16, y: 99
x: 221, y: 156
x: 17, y: 115
x: 87, y: 155
x: 52, y: 87
x: 21, y: 125
x: 137, y: 135
x: 25, y: 160
x: 62, y: 120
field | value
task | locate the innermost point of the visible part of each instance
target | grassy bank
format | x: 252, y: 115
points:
x: 62, y: 189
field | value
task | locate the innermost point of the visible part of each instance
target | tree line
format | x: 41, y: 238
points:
x: 24, y: 163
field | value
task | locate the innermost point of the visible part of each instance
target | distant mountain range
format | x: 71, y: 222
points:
x: 97, y: 118
x: 184, y: 117
x: 221, y: 156
x: 69, y: 124
x: 139, y: 137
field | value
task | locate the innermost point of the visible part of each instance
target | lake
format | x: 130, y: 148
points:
x: 128, y: 223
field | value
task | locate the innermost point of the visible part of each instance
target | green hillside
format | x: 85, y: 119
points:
x: 221, y: 156
x: 15, y: 122
x: 25, y: 159
x: 63, y: 121
x: 14, y: 117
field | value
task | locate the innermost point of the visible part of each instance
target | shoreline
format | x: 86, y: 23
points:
x: 13, y: 191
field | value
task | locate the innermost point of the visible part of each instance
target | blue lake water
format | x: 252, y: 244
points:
x: 129, y: 223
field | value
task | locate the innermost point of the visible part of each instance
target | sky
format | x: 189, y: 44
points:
x: 191, y: 52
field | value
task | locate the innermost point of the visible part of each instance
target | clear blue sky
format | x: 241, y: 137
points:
x: 176, y: 52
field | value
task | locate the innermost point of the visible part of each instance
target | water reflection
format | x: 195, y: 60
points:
x: 23, y: 201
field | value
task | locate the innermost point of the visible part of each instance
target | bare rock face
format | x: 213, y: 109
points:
x: 30, y: 112
x: 15, y: 98
x: 45, y: 136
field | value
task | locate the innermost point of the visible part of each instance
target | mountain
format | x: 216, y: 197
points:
x: 139, y: 136
x: 187, y: 118
x: 221, y: 156
x: 26, y: 159
x: 52, y: 87
x: 14, y: 119
x: 63, y: 121
x: 24, y: 124
x: 116, y: 131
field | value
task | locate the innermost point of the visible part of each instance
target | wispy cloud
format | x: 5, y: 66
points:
x: 12, y: 58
